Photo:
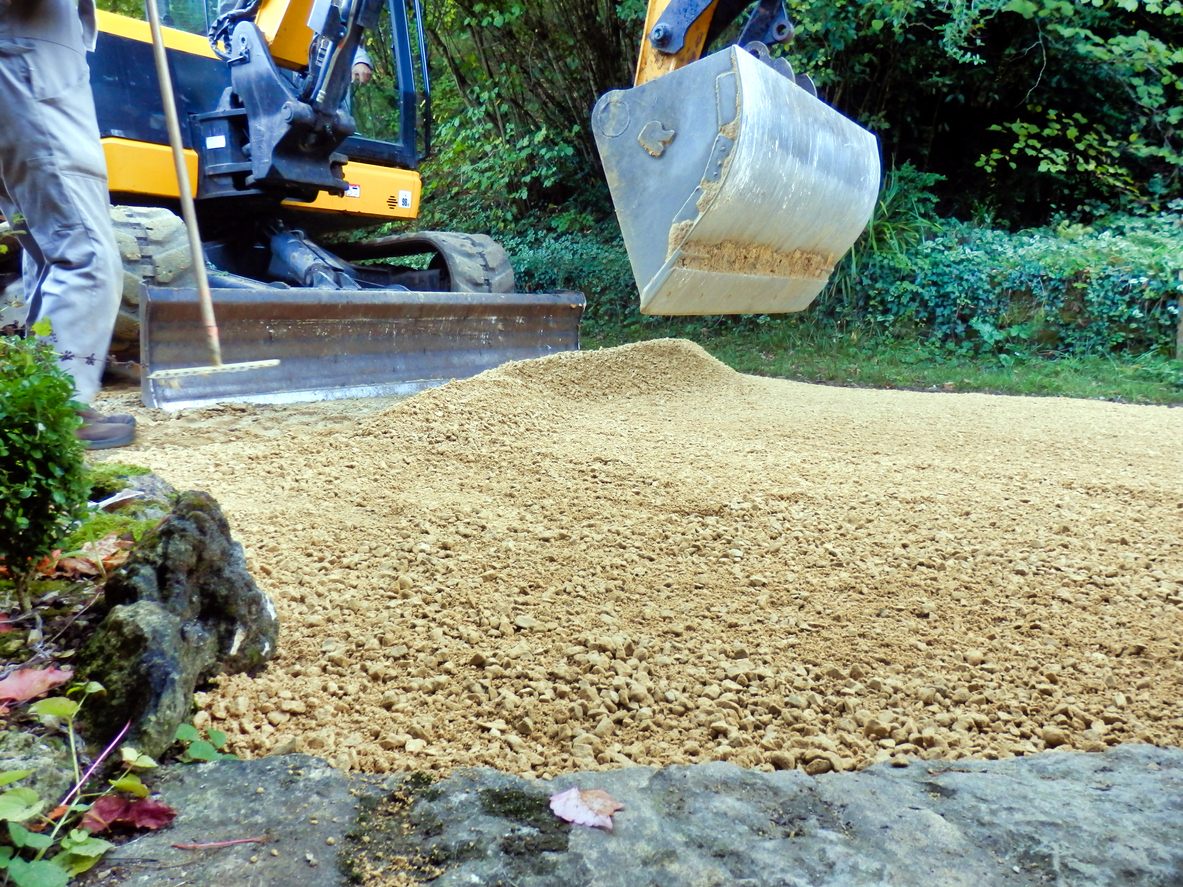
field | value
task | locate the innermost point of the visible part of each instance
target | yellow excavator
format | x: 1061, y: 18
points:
x: 736, y: 189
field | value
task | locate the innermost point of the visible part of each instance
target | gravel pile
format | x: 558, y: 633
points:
x: 639, y: 556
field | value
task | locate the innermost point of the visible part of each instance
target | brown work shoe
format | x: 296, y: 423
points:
x: 104, y: 435
x: 91, y: 416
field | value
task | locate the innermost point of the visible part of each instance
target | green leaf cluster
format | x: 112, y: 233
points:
x: 1058, y: 291
x: 33, y: 833
x: 43, y: 484
x: 1026, y: 107
x: 591, y: 261
x: 198, y: 750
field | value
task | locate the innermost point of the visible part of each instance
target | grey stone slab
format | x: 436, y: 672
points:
x: 1065, y: 819
x: 1060, y: 818
x: 222, y: 802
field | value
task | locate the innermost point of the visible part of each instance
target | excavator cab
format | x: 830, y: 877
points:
x: 737, y: 189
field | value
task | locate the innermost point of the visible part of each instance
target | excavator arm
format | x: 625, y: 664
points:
x: 294, y: 122
x: 271, y: 141
x: 677, y: 31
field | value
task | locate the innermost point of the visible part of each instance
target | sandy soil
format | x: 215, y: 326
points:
x: 638, y: 555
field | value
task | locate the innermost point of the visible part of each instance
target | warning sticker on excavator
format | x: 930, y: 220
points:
x: 404, y: 199
x: 353, y: 190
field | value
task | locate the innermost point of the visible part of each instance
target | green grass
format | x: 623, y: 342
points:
x: 794, y: 348
x: 101, y: 524
x: 107, y: 478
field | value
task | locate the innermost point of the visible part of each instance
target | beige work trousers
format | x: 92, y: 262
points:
x: 53, y: 188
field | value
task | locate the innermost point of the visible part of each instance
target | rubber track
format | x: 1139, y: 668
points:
x: 154, y: 249
x: 476, y: 262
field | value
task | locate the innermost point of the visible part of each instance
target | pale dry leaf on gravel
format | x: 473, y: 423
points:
x: 593, y: 807
x: 28, y: 683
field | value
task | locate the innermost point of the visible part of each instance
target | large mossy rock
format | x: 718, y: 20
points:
x: 183, y: 609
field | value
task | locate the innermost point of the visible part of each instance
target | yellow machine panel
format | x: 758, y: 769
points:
x: 377, y: 191
x: 284, y: 24
x: 133, y: 29
x: 373, y: 191
x: 144, y: 168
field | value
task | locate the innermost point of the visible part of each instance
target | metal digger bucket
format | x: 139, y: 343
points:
x: 740, y: 205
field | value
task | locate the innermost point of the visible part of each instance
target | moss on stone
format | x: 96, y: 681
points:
x: 519, y: 806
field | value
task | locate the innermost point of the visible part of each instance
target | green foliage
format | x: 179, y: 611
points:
x: 1020, y: 104
x: 43, y: 484
x: 904, y: 216
x: 594, y: 263
x: 197, y: 750
x: 1071, y: 290
x: 513, y: 106
x: 24, y: 860
x: 494, y: 175
x: 129, y: 8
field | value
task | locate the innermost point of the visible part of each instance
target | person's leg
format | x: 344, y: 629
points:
x: 55, y: 182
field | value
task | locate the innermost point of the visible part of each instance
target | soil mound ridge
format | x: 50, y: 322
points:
x: 550, y: 389
x: 659, y: 366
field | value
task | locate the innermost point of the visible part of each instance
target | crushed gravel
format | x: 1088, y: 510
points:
x: 637, y: 555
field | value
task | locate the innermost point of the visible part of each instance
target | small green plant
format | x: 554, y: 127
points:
x: 43, y: 483
x: 198, y: 750
x: 34, y: 833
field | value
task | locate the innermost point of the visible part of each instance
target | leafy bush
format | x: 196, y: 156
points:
x: 43, y: 484
x: 593, y: 263
x: 492, y: 176
x: 1068, y: 290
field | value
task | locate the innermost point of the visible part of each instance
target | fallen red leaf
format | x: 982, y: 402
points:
x: 146, y: 813
x: 103, y: 812
x: 5, y: 625
x: 92, y: 559
x: 49, y: 563
x: 57, y: 811
x: 28, y: 683
x: 110, y: 810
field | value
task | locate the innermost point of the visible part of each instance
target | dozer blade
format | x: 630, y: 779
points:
x: 343, y: 343
x: 736, y: 189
